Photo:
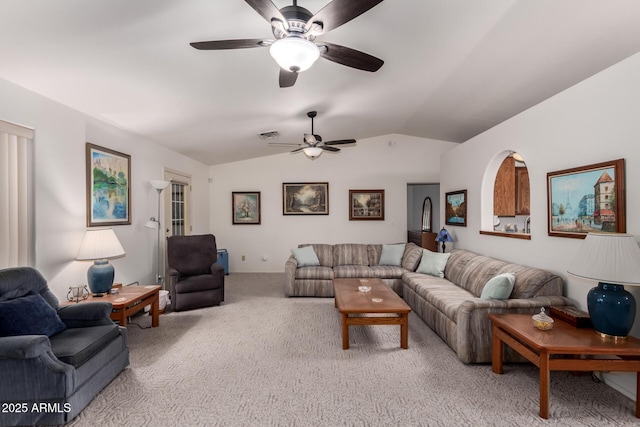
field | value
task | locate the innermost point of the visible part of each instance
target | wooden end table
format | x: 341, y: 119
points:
x: 540, y: 347
x: 350, y: 301
x: 129, y: 301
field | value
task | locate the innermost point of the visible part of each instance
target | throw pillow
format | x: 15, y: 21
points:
x: 433, y: 263
x: 29, y: 315
x: 499, y: 287
x: 392, y: 254
x: 305, y: 256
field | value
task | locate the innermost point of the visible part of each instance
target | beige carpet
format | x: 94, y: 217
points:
x: 262, y: 359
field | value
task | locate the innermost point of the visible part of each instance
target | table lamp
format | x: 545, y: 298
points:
x: 613, y: 260
x: 100, y: 245
x: 444, y: 236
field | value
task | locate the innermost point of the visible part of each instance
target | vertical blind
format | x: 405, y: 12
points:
x: 16, y: 196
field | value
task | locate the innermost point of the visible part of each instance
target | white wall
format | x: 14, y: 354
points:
x: 60, y: 137
x: 371, y: 164
x: 594, y: 121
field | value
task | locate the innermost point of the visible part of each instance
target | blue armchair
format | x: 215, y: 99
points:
x: 53, y: 360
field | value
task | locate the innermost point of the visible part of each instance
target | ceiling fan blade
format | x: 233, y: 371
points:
x: 350, y: 57
x: 287, y: 78
x: 231, y: 44
x: 340, y: 141
x: 310, y: 139
x: 266, y: 9
x: 298, y: 149
x: 339, y: 12
x: 328, y: 148
x: 284, y: 144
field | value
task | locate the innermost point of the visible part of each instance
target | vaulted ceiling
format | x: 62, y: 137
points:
x: 453, y: 68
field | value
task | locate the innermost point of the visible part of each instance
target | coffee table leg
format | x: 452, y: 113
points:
x: 545, y: 376
x: 123, y: 317
x: 155, y: 311
x: 638, y: 395
x: 345, y: 332
x: 404, y: 331
x: 496, y: 352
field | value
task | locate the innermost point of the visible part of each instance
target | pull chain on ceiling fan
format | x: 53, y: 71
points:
x: 295, y: 30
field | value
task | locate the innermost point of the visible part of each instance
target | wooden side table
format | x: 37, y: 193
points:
x: 540, y: 347
x: 129, y: 301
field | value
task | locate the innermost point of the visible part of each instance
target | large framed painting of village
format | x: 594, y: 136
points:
x: 587, y: 199
x: 108, y: 189
x: 305, y: 198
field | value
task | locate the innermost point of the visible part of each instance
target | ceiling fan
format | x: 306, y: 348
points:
x: 315, y: 146
x: 295, y: 29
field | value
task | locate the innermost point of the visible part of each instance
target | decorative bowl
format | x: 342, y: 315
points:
x: 542, y: 321
x: 364, y: 288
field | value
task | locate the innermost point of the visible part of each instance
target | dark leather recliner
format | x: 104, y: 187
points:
x: 195, y: 278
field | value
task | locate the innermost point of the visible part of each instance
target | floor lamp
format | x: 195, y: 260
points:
x: 154, y: 223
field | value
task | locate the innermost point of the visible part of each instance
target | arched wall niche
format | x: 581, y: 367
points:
x: 516, y: 219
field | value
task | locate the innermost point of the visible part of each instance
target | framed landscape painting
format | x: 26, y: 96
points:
x: 305, y: 198
x: 456, y: 208
x: 108, y: 187
x: 587, y: 199
x: 366, y: 205
x: 246, y: 207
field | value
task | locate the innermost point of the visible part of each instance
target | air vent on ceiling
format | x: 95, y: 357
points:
x: 269, y: 135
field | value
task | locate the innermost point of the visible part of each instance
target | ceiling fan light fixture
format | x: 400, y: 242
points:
x: 294, y: 53
x: 312, y: 152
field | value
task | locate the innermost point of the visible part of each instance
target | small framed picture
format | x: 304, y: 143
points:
x: 366, y: 205
x: 305, y: 198
x: 108, y: 187
x: 456, y: 208
x: 246, y: 207
x: 587, y: 199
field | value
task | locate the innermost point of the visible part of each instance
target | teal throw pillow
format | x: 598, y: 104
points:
x: 305, y: 256
x: 433, y: 263
x: 499, y: 287
x: 29, y: 315
x: 392, y: 254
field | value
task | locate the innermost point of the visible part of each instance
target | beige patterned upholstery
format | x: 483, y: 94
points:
x: 347, y: 260
x: 452, y: 307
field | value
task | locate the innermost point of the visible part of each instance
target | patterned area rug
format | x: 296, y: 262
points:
x: 262, y: 359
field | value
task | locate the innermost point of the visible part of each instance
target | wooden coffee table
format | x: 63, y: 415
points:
x: 358, y: 307
x: 129, y: 301
x: 539, y: 347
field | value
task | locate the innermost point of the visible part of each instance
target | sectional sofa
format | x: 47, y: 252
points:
x: 449, y: 301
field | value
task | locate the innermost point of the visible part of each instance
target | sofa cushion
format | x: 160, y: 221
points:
x: 353, y: 271
x: 392, y: 254
x: 324, y: 253
x: 77, y: 345
x: 350, y: 254
x: 472, y: 271
x: 29, y: 315
x: 532, y: 282
x: 499, y: 287
x: 374, y: 252
x: 204, y: 282
x: 305, y: 256
x: 315, y: 272
x: 433, y: 263
x: 386, y: 271
x: 411, y: 257
x: 438, y: 292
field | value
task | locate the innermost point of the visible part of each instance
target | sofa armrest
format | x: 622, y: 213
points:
x: 86, y: 314
x: 24, y: 346
x: 474, y: 326
x: 217, y: 269
x: 290, y: 268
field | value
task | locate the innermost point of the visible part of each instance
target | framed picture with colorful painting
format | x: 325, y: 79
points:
x: 108, y: 175
x: 456, y: 208
x: 587, y: 199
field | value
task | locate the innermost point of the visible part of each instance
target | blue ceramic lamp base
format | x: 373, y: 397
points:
x: 612, y: 310
x: 100, y: 277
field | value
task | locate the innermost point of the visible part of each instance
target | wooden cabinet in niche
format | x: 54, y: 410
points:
x: 511, y: 191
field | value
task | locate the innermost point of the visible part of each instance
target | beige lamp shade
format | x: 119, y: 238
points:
x: 100, y: 244
x: 611, y: 258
